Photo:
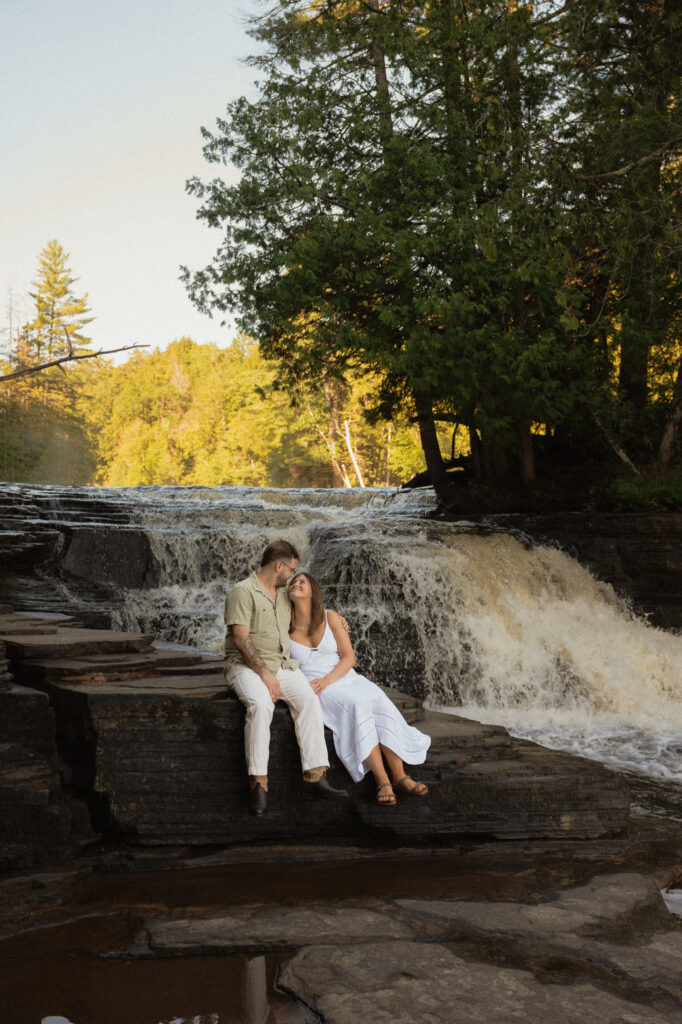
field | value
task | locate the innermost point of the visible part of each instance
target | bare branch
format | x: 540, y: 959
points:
x: 68, y: 359
x: 630, y: 167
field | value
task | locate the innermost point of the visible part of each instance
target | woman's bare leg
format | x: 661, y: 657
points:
x: 375, y: 763
x: 395, y: 765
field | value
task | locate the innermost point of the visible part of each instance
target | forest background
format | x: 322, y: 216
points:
x: 190, y: 414
x: 460, y: 218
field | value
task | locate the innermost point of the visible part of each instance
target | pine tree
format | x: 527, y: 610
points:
x: 60, y: 315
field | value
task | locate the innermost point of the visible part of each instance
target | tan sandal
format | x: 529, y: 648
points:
x: 388, y: 799
x: 418, y: 789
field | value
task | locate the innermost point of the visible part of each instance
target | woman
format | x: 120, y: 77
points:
x: 367, y: 726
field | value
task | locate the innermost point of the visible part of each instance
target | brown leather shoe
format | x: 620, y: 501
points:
x: 258, y: 800
x: 323, y: 790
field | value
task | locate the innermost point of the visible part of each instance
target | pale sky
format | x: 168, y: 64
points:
x: 102, y: 104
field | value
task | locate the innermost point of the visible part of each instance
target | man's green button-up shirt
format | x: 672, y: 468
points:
x: 249, y: 604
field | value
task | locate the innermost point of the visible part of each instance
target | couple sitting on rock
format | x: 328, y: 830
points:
x: 282, y: 643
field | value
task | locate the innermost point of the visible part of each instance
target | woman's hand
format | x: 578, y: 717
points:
x: 320, y: 685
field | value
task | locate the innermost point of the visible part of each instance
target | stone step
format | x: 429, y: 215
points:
x: 35, y: 824
x: 171, y: 655
x: 24, y: 619
x: 70, y: 642
x: 200, y: 668
x: 30, y: 624
x: 100, y: 668
x: 26, y: 718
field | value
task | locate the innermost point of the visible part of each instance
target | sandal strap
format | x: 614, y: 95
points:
x: 384, y: 784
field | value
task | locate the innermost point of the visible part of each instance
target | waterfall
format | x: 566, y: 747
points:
x: 469, y: 618
x: 472, y: 619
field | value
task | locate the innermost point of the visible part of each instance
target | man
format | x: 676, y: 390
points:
x: 260, y: 671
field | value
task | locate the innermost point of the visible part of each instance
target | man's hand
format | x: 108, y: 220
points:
x: 345, y: 624
x: 272, y: 683
x: 320, y: 685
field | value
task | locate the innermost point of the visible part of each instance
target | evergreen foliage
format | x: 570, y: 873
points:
x: 42, y: 433
x: 480, y: 203
x: 192, y: 414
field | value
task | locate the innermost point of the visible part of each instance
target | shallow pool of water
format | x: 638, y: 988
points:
x: 82, y: 987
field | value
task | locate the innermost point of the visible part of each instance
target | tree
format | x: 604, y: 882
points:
x: 479, y: 203
x: 43, y: 436
x: 394, y: 200
x: 60, y: 316
x: 622, y: 131
x: 59, y: 313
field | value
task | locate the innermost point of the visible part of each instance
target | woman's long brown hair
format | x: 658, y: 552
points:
x: 316, y: 605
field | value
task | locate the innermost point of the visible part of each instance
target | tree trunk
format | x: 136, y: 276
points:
x: 332, y: 400
x: 476, y: 453
x: 526, y: 453
x: 429, y: 441
x: 495, y: 465
x: 632, y: 374
x: 665, y: 451
x: 351, y: 452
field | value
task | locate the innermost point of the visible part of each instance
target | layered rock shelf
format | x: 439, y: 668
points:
x: 151, y: 739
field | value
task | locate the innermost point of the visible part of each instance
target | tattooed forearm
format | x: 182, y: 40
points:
x: 253, y: 657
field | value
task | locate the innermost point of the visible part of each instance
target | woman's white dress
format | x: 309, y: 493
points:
x: 357, y: 711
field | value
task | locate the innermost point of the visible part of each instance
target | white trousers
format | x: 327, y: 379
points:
x: 305, y: 711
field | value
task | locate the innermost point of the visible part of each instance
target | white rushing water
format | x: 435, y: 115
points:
x: 477, y: 621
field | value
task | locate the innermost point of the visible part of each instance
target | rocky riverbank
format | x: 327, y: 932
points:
x: 148, y: 738
x: 520, y: 886
x: 575, y: 931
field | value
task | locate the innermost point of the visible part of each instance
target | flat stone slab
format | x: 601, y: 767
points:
x: 111, y: 666
x: 601, y: 901
x: 163, y: 757
x: 406, y: 982
x: 254, y: 930
x: 32, y: 623
x: 617, y: 924
x: 211, y: 685
x: 71, y: 642
x: 166, y: 757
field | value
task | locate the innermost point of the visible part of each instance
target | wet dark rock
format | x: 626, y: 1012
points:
x: 31, y: 898
x: 35, y: 822
x: 387, y: 647
x: 5, y: 674
x: 118, y: 558
x: 26, y: 718
x: 417, y: 983
x: 158, y: 755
